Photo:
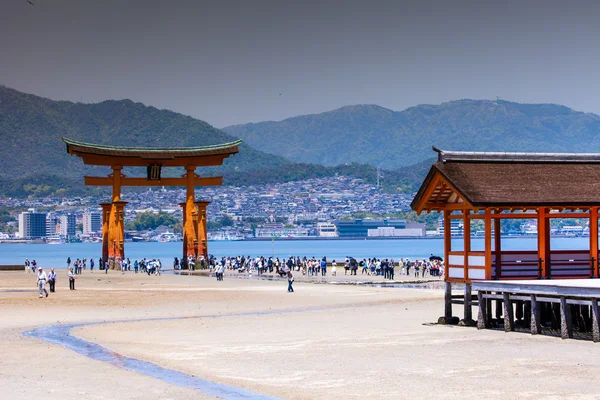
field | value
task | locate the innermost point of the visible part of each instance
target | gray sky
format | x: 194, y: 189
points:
x: 230, y: 62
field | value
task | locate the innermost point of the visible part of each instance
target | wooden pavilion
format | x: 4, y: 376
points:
x: 154, y: 159
x: 492, y: 187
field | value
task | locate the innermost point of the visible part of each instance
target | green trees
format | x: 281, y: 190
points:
x: 149, y: 220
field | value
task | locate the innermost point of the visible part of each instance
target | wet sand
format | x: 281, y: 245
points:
x: 341, y: 341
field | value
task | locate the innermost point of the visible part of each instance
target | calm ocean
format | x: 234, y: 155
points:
x: 48, y: 255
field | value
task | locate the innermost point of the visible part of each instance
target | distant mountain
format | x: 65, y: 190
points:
x: 31, y: 128
x: 34, y: 161
x: 377, y: 136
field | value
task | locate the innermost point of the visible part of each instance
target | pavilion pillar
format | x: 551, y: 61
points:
x: 106, y: 207
x: 468, y: 310
x: 594, y: 241
x: 498, y: 247
x: 488, y: 243
x: 190, y: 239
x: 202, y: 231
x: 447, y: 318
x: 542, y: 243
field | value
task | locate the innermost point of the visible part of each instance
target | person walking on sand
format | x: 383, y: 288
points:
x: 71, y: 279
x: 290, y: 281
x: 52, y: 279
x: 41, y: 281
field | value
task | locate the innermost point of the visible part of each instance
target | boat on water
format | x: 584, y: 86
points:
x: 55, y: 240
x: 223, y: 237
x: 166, y: 237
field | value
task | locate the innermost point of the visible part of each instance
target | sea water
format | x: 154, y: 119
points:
x: 55, y: 255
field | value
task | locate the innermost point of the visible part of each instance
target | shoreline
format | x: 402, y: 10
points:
x: 310, y: 239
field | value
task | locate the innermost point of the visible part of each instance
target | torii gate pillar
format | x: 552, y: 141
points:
x: 202, y: 249
x: 106, y: 208
x: 190, y: 218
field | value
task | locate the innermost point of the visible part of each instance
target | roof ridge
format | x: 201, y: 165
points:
x: 525, y: 157
x: 151, y: 149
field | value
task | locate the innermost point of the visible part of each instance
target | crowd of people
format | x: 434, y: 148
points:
x: 284, y: 267
x: 387, y: 268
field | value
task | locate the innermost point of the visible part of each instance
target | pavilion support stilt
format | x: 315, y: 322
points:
x: 447, y: 300
x: 526, y: 314
x: 488, y: 310
x: 448, y: 319
x: 468, y: 309
x: 498, y: 309
x: 566, y: 321
x: 519, y: 313
x: 595, y: 321
x: 509, y: 319
x: 482, y: 316
x: 535, y: 325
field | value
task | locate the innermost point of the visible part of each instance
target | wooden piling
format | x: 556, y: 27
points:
x: 448, y: 300
x: 482, y: 317
x: 468, y: 311
x: 595, y: 321
x: 566, y: 322
x: 536, y: 327
x: 509, y: 319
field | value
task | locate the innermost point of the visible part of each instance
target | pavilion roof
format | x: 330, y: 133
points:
x: 485, y: 179
x: 105, y: 155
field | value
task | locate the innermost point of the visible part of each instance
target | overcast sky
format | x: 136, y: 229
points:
x: 229, y: 62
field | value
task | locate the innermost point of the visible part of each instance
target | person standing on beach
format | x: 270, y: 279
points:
x: 71, y: 279
x: 290, y: 281
x: 27, y: 266
x: 41, y: 281
x: 333, y: 268
x: 91, y: 265
x: 68, y: 262
x: 324, y: 266
x: 52, y: 279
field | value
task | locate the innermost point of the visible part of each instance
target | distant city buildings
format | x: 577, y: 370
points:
x: 52, y: 224
x: 32, y: 224
x: 360, y: 227
x: 411, y: 230
x: 92, y: 222
x: 326, y: 229
x: 456, y: 226
x: 68, y: 225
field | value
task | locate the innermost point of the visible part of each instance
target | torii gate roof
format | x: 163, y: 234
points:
x: 96, y: 154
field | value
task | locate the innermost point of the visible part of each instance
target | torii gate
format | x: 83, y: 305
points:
x: 194, y: 212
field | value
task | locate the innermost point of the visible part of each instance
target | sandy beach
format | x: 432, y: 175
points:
x: 323, y: 341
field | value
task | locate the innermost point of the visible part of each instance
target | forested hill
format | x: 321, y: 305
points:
x: 34, y: 162
x: 390, y: 139
x: 31, y: 128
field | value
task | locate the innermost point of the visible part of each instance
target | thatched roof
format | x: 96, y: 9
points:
x: 517, y: 179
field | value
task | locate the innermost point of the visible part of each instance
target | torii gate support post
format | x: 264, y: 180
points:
x: 116, y: 226
x: 184, y: 261
x: 190, y: 238
x: 106, y: 209
x: 201, y: 229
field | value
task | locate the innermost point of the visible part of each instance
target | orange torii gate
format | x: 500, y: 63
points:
x: 194, y: 212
